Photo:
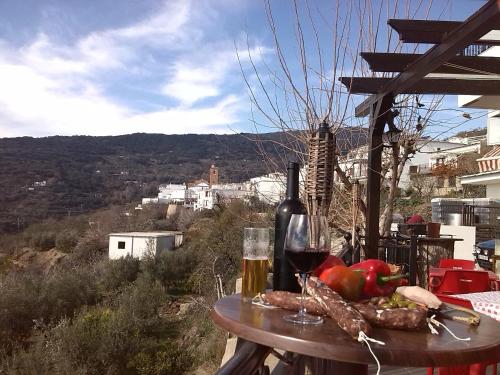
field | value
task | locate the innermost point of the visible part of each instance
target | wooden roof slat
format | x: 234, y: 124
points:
x: 397, y: 62
x: 452, y: 43
x: 440, y: 86
x: 430, y: 31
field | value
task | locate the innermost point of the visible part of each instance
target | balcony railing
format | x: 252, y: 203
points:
x: 474, y: 50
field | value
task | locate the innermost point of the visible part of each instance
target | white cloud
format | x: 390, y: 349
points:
x: 49, y: 88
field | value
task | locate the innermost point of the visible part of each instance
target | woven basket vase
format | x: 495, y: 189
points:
x: 320, y: 170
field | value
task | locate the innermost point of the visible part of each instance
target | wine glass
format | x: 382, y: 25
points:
x: 307, y: 245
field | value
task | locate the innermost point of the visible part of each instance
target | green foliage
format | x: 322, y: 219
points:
x: 172, y: 360
x: 89, y: 248
x: 18, y: 306
x: 86, y: 173
x: 42, y: 240
x: 66, y: 240
x: 97, y: 316
x: 28, y: 298
x: 118, y: 273
x: 170, y: 267
x: 217, y: 239
x: 63, y: 293
x: 125, y: 336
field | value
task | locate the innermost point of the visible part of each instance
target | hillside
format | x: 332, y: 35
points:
x: 56, y: 176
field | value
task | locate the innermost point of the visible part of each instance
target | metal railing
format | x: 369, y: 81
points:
x: 474, y: 50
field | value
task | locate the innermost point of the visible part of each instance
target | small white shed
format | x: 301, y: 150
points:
x: 138, y: 244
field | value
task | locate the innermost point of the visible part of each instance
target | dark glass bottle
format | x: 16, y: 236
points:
x: 283, y: 272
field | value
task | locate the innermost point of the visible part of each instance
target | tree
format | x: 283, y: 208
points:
x: 295, y: 95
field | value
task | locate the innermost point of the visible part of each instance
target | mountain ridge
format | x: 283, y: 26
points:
x: 63, y: 175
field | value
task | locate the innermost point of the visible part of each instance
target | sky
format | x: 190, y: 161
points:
x: 106, y: 67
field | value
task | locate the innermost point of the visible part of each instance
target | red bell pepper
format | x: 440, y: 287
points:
x: 378, y: 279
x: 346, y: 282
x: 331, y: 261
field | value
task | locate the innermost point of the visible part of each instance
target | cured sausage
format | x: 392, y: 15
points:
x: 398, y: 318
x: 348, y: 318
x: 291, y: 301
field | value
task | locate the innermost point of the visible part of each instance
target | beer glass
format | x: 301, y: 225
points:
x: 255, y: 262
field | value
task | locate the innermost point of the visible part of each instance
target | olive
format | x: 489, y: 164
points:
x: 387, y: 305
x: 403, y: 303
x: 396, y: 297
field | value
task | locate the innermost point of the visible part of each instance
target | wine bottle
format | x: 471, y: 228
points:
x: 283, y: 272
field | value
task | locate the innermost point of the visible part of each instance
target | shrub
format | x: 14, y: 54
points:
x: 117, y: 338
x: 29, y: 298
x: 117, y: 273
x: 170, y: 267
x: 171, y: 360
x: 42, y: 240
x: 90, y: 248
x: 66, y: 240
x: 64, y: 292
x: 18, y: 307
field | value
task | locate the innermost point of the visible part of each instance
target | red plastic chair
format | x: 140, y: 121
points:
x: 455, y: 301
x: 474, y: 369
x: 461, y: 281
x: 461, y: 264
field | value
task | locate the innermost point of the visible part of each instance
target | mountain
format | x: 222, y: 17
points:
x: 54, y: 176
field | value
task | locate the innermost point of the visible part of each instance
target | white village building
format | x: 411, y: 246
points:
x: 206, y: 199
x: 172, y: 193
x: 270, y: 188
x: 489, y: 164
x: 140, y: 244
x: 355, y: 163
x: 451, y: 162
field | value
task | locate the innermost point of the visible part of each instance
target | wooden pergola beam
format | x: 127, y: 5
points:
x: 439, y: 86
x: 397, y: 62
x: 378, y: 119
x: 430, y: 31
x: 452, y: 43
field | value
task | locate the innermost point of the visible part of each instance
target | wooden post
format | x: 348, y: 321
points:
x: 412, y: 280
x: 356, y: 249
x: 355, y: 211
x: 378, y: 117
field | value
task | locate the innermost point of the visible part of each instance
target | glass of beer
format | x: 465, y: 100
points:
x: 255, y: 262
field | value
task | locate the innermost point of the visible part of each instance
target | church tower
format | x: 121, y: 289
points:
x: 213, y: 176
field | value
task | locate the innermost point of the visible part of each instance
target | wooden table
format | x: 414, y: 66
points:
x: 263, y: 329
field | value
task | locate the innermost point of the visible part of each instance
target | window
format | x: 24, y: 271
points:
x: 121, y: 244
x: 413, y: 169
x: 452, y: 181
x: 440, y: 182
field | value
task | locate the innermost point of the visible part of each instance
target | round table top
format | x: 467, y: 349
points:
x: 402, y: 348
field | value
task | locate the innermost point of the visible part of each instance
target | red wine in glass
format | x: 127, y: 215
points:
x: 308, y: 260
x: 307, y: 245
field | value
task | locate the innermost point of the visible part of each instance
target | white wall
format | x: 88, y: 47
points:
x: 149, y: 200
x: 138, y: 246
x: 463, y: 249
x: 114, y: 252
x: 493, y: 191
x: 270, y: 188
x: 493, y: 130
